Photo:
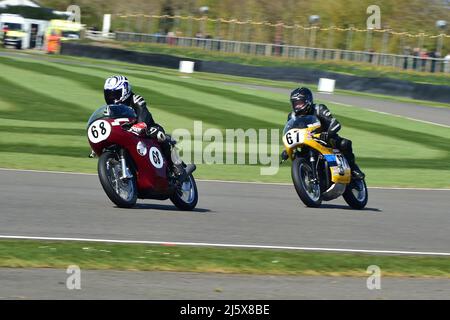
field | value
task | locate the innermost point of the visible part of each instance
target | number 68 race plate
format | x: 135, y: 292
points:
x: 99, y: 131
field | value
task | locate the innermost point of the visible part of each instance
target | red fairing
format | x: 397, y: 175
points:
x: 145, y: 152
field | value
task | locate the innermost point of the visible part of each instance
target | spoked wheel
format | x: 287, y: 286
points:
x: 186, y: 195
x: 356, y: 194
x: 123, y: 192
x: 307, y: 189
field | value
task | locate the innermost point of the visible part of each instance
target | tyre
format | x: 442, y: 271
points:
x: 356, y: 194
x: 186, y: 195
x: 123, y: 192
x: 308, y: 191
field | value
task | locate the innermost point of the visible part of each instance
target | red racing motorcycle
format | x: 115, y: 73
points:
x: 132, y: 166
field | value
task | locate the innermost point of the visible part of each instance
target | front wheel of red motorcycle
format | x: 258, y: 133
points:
x: 186, y: 195
x: 121, y: 191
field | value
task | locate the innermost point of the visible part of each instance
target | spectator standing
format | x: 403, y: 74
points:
x: 416, y: 53
x: 424, y: 57
x: 406, y: 53
x: 432, y: 55
x: 171, y: 38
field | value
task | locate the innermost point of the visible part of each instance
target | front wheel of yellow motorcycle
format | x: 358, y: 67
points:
x: 307, y: 188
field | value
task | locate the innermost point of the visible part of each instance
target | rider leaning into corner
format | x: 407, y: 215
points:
x: 303, y: 105
x: 117, y: 90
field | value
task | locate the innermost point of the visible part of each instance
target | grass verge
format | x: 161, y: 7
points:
x: 345, y: 67
x: 233, y: 79
x: 44, y: 106
x: 105, y: 256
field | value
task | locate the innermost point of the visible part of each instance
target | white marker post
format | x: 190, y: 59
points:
x: 326, y: 85
x: 106, y: 25
x: 187, y: 67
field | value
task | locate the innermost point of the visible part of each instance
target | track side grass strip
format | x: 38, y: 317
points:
x: 55, y: 254
x: 214, y: 77
x: 43, y: 131
x: 345, y: 67
x: 38, y: 130
x: 35, y: 106
x: 159, y: 100
x: 267, y: 103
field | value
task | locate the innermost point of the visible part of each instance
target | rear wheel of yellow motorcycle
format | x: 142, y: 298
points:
x: 356, y: 194
x: 302, y: 177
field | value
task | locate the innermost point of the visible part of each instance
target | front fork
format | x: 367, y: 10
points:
x: 313, y: 160
x: 175, y: 157
x: 126, y: 174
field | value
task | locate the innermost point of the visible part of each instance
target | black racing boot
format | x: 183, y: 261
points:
x: 284, y: 156
x: 181, y: 173
x: 356, y: 171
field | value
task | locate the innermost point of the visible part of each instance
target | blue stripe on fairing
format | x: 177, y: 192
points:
x: 331, y: 159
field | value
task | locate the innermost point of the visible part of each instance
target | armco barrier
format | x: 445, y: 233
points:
x: 439, y: 93
x: 98, y: 52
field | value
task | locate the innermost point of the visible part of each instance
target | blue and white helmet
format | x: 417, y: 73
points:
x: 117, y: 89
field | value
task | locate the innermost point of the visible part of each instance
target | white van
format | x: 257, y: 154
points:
x: 22, y: 33
x: 13, y: 30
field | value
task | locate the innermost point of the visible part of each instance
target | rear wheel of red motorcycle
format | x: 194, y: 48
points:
x: 186, y: 196
x: 123, y: 192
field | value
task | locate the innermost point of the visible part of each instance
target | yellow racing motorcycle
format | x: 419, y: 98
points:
x: 319, y: 172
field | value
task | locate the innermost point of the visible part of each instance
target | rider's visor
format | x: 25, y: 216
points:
x: 113, y: 96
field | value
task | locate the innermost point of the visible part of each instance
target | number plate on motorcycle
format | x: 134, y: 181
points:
x: 294, y: 137
x: 99, y: 131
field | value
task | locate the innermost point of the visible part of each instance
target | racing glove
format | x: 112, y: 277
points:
x: 139, y: 128
x: 324, y: 136
x: 327, y: 136
x: 157, y: 133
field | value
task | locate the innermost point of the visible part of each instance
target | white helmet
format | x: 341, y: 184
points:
x: 117, y: 89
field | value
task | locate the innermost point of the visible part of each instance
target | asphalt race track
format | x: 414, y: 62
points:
x: 43, y: 204
x: 75, y: 206
x: 51, y: 284
x: 46, y: 204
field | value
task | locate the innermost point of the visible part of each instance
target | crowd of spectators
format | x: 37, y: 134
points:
x: 422, y: 57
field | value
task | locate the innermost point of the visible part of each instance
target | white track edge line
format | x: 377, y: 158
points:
x: 249, y: 246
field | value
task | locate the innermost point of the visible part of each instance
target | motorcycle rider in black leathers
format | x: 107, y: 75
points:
x: 303, y: 105
x: 117, y: 90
